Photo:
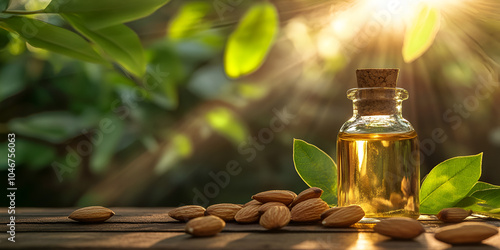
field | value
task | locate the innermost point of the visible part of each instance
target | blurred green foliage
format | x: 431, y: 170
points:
x: 142, y: 102
x: 421, y: 33
x: 249, y: 44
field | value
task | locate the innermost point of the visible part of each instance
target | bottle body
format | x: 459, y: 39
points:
x: 377, y: 172
x: 378, y: 161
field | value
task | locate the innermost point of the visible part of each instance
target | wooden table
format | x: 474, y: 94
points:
x: 49, y: 228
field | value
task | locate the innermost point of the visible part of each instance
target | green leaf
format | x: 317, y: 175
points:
x: 449, y: 182
x: 4, y: 39
x: 189, y: 20
x: 252, y: 91
x: 98, y: 14
x: 250, y: 43
x: 483, y: 198
x: 26, y: 150
x: 166, y: 96
x: 120, y: 42
x: 481, y: 186
x: 161, y: 85
x: 421, y: 32
x: 4, y: 4
x: 47, y: 36
x: 180, y: 148
x: 316, y: 169
x: 227, y: 124
x: 12, y: 77
x: 468, y: 202
x: 490, y: 196
x: 474, y: 204
x: 106, y: 141
x: 55, y: 127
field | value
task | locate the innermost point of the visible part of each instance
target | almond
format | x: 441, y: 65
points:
x: 275, y: 217
x: 92, y: 214
x: 225, y: 211
x: 186, y: 213
x: 329, y: 212
x: 399, y: 228
x: 309, y: 210
x: 252, y: 202
x: 205, y: 226
x: 268, y: 205
x: 309, y: 193
x: 248, y: 214
x: 454, y: 214
x: 465, y: 233
x: 344, y: 217
x: 284, y: 196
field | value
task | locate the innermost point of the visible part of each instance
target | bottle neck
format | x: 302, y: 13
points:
x: 370, y: 107
x: 377, y: 101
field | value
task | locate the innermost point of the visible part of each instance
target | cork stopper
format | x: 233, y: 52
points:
x: 369, y: 78
x: 376, y: 101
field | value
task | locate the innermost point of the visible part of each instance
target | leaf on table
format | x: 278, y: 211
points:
x: 99, y: 14
x: 449, y: 182
x: 490, y: 196
x: 316, y: 169
x: 189, y: 20
x: 483, y: 198
x: 421, y: 32
x: 248, y: 46
x: 50, y: 37
x: 474, y: 204
x: 481, y: 186
x: 119, y: 42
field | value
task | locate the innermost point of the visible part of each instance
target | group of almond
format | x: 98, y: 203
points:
x: 274, y: 209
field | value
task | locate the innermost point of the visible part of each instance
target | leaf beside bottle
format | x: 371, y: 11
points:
x: 449, y: 182
x: 316, y: 169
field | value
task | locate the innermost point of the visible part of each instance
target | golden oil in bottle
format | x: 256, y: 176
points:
x: 378, y: 150
x: 379, y: 173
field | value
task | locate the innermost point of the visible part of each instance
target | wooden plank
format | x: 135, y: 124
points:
x: 175, y: 227
x: 123, y: 214
x: 68, y: 210
x: 41, y: 228
x: 60, y: 215
x: 179, y: 227
x: 157, y: 220
x: 241, y: 240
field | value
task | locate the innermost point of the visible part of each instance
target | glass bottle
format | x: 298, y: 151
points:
x: 378, y: 152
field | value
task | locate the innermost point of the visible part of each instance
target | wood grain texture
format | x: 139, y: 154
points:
x: 131, y: 228
x: 243, y: 240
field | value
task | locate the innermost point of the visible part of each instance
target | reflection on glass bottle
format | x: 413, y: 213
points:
x: 378, y: 151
